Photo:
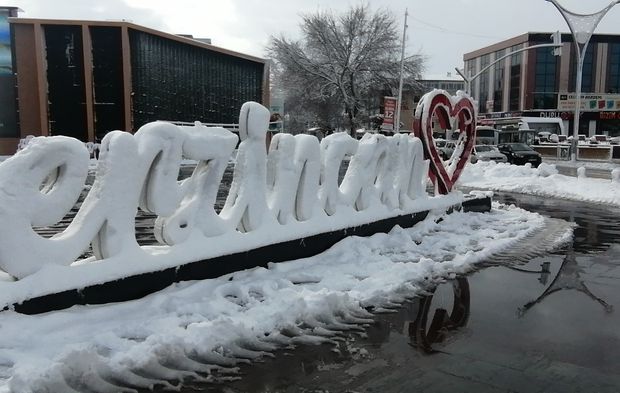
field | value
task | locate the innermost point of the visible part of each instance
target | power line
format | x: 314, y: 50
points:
x: 449, y: 31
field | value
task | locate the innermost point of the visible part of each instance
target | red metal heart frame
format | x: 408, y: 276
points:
x: 444, y: 108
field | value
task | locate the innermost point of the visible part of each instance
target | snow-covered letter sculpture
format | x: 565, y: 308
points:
x: 278, y: 197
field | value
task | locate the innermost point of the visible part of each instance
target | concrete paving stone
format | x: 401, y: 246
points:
x: 578, y: 378
x: 503, y: 357
x: 492, y: 374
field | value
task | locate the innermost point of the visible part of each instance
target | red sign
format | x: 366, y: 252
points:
x: 609, y: 115
x: 389, y: 110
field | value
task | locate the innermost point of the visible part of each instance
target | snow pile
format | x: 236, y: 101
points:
x: 542, y: 181
x: 195, y: 328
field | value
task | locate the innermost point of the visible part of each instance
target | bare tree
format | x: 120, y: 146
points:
x: 342, y: 58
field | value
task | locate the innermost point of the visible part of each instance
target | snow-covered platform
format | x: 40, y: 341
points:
x: 284, y: 204
x: 142, y: 284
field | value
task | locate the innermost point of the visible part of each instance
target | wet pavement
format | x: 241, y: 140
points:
x: 549, y: 325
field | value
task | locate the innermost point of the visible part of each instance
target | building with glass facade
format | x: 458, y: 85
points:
x: 537, y: 83
x: 86, y: 78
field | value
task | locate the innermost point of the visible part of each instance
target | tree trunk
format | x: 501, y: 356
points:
x: 351, y: 123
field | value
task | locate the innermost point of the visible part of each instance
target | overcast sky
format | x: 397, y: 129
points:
x: 442, y: 30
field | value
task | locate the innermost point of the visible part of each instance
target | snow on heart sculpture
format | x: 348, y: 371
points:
x: 438, y: 110
x: 289, y: 192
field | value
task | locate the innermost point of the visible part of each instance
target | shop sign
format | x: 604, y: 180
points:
x: 609, y: 116
x: 389, y: 108
x: 589, y: 102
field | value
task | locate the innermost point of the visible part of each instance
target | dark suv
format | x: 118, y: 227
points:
x: 520, y: 154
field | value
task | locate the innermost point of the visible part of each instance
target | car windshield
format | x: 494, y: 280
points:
x: 520, y: 147
x: 485, y: 148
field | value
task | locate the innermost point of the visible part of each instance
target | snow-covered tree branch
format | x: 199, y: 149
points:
x: 343, y: 60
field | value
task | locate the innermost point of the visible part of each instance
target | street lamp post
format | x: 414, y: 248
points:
x: 557, y: 51
x: 400, y: 82
x: 582, y: 27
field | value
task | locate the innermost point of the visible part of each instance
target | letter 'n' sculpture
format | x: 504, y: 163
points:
x: 283, y: 204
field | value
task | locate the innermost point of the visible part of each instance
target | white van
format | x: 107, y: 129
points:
x: 522, y: 129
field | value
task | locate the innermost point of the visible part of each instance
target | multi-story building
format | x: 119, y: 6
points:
x: 537, y: 83
x: 450, y: 82
x: 86, y: 78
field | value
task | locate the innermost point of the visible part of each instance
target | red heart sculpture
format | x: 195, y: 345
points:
x: 447, y: 110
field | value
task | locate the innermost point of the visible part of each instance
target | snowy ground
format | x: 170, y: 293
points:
x: 542, y: 181
x: 211, y: 325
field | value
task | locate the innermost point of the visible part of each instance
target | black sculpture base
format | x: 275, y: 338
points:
x: 137, y: 286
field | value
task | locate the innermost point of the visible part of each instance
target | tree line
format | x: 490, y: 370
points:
x: 336, y: 73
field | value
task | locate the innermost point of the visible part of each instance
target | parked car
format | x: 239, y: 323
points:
x: 445, y: 148
x: 543, y: 137
x: 555, y: 138
x: 487, y: 153
x: 520, y: 154
x: 581, y: 139
x: 599, y: 139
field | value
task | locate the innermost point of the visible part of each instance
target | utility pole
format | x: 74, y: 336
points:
x: 400, y: 83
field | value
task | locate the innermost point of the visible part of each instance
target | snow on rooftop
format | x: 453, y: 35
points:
x: 448, y: 76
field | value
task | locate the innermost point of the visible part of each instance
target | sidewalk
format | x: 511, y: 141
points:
x: 595, y: 169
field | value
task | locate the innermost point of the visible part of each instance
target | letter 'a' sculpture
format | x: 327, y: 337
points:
x: 283, y: 204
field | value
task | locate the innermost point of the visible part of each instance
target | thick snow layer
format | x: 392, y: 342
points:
x: 201, y: 326
x: 543, y: 181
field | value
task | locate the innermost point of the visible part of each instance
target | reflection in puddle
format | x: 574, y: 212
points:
x: 442, y: 323
x: 568, y: 277
x: 523, y: 322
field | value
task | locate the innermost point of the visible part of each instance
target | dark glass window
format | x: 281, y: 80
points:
x: 515, y: 79
x: 483, y: 97
x: 613, y: 69
x: 498, y: 83
x: 107, y: 79
x: 66, y: 89
x: 181, y: 82
x: 587, y: 76
x: 8, y: 102
x: 545, y: 94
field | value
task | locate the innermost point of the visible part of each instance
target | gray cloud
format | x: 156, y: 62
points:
x: 443, y: 30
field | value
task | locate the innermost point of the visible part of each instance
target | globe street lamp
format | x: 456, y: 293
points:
x: 582, y: 27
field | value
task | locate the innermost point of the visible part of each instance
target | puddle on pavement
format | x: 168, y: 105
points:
x: 550, y: 324
x: 546, y: 325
